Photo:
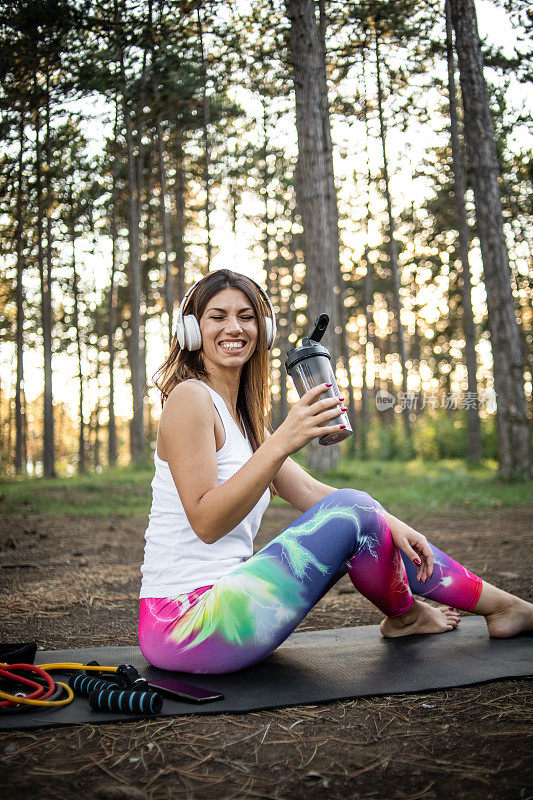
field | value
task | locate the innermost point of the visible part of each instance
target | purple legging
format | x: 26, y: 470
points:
x: 246, y: 614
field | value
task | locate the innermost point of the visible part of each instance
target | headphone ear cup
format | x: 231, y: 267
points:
x: 178, y: 330
x: 269, y: 332
x: 191, y: 333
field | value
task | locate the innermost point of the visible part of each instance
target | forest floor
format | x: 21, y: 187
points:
x: 71, y: 582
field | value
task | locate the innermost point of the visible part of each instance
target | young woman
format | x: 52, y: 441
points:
x: 208, y: 604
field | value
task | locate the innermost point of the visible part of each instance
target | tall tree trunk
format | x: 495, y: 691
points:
x: 111, y: 424
x: 9, y: 444
x: 369, y: 328
x: 144, y: 165
x: 146, y: 244
x: 344, y: 316
x: 475, y: 443
x: 393, y: 247
x: 44, y: 275
x: 514, y: 452
x: 179, y: 226
x: 82, y: 466
x: 416, y: 350
x: 368, y: 289
x: 283, y: 344
x: 340, y: 346
x: 19, y: 459
x: 286, y: 330
x: 96, y: 445
x: 206, y: 120
x: 49, y: 443
x: 169, y: 294
x: 24, y: 432
x: 313, y: 187
x: 134, y: 347
x: 265, y: 180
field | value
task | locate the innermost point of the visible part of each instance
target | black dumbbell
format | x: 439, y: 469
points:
x: 83, y: 686
x: 126, y: 700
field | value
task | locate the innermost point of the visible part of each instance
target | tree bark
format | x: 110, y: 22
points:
x: 44, y: 275
x: 96, y: 445
x: 134, y: 348
x: 180, y: 222
x: 82, y: 466
x: 19, y: 458
x: 368, y: 288
x: 514, y: 452
x: 369, y: 327
x: 111, y: 424
x: 265, y: 179
x: 206, y: 120
x: 169, y: 295
x: 474, y: 442
x: 393, y: 247
x: 49, y: 443
x: 313, y: 187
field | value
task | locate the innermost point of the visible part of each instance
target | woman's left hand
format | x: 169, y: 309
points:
x: 413, y: 544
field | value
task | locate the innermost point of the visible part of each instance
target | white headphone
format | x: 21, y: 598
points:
x: 188, y: 328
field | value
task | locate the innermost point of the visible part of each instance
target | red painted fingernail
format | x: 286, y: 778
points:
x: 328, y: 384
x: 342, y: 426
x: 417, y: 561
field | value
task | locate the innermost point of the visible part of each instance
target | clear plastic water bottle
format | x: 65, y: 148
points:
x: 309, y: 365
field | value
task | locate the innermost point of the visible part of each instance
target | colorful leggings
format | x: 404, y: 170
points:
x: 245, y: 615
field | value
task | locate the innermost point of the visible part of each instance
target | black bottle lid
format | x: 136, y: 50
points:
x: 308, y: 349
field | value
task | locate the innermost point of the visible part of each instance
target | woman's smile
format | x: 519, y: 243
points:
x: 232, y: 345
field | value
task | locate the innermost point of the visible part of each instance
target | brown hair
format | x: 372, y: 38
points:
x: 253, y: 399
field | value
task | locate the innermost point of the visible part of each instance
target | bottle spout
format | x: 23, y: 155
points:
x: 321, y: 323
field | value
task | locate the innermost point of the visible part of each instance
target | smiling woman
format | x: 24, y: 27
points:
x: 208, y: 602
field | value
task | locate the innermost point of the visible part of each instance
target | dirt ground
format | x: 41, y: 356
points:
x: 71, y: 583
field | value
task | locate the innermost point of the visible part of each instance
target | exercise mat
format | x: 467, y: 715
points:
x: 313, y: 667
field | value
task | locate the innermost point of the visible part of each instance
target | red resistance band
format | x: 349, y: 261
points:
x: 40, y: 693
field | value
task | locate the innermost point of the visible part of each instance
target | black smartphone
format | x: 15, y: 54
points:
x: 177, y: 690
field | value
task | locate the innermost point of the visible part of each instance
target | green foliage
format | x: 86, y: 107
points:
x: 434, y: 437
x: 388, y: 442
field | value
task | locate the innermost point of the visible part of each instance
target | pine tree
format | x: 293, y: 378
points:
x: 313, y: 183
x: 514, y: 452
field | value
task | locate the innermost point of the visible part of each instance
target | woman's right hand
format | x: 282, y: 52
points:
x: 303, y: 420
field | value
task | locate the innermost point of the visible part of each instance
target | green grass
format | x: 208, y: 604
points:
x: 404, y: 488
x: 122, y: 490
x: 418, y: 487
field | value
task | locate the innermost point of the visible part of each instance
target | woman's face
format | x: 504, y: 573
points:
x: 229, y: 329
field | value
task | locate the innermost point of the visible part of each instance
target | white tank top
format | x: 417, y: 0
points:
x: 175, y: 558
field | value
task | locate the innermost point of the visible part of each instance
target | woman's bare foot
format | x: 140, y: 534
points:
x: 421, y: 618
x: 505, y: 614
x: 510, y: 618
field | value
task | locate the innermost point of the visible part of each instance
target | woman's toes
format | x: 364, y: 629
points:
x: 452, y: 618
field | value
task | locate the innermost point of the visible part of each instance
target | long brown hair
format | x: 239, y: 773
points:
x: 253, y: 399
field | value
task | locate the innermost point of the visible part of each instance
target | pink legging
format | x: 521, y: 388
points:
x: 247, y: 613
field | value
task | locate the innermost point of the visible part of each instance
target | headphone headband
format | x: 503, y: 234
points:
x: 188, y: 328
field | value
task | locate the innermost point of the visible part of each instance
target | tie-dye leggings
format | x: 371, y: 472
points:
x: 246, y: 614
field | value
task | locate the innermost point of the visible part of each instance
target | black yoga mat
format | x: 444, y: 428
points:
x: 314, y: 667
